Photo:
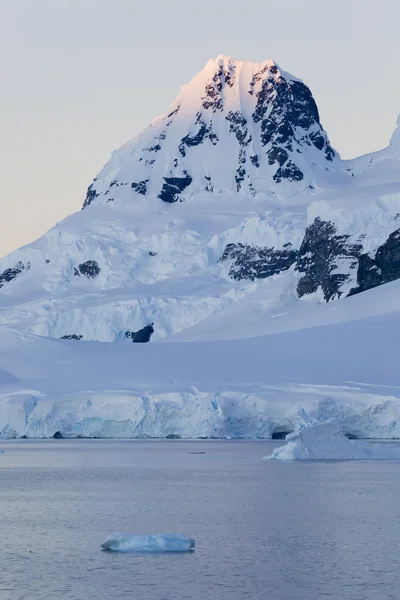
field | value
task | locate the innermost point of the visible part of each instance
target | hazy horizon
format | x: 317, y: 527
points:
x: 80, y: 78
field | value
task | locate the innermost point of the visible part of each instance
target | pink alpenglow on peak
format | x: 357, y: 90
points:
x: 238, y: 127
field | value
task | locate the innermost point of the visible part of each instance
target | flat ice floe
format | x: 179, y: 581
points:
x: 165, y: 542
x: 327, y: 442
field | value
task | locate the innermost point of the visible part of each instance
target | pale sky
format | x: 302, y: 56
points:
x: 81, y: 77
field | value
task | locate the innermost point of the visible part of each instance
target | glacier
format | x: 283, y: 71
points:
x: 229, y: 275
x: 327, y: 442
x: 166, y: 542
x: 252, y: 387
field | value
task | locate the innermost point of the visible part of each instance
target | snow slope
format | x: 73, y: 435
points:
x: 254, y: 387
x: 224, y: 234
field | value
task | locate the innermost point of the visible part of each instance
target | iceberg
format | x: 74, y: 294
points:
x: 327, y: 441
x: 165, y: 542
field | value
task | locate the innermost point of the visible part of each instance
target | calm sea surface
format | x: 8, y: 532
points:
x: 263, y: 530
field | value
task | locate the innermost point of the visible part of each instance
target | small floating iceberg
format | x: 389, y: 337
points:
x: 327, y: 441
x: 165, y: 542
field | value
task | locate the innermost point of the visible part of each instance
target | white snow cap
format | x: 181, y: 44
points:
x: 252, y: 66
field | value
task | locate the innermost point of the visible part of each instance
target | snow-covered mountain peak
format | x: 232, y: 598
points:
x: 237, y: 127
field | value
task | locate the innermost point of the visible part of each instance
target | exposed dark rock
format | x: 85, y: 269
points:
x: 252, y: 262
x: 11, y: 273
x: 284, y: 108
x: 89, y: 269
x: 203, y: 133
x: 174, y: 112
x: 209, y: 185
x: 115, y: 183
x: 240, y: 171
x: 140, y: 187
x: 173, y: 436
x: 289, y: 171
x: 254, y: 160
x: 142, y: 336
x: 151, y: 253
x: 47, y: 261
x: 320, y: 252
x: 213, y: 98
x: 172, y: 188
x: 155, y: 148
x: 73, y: 336
x: 58, y: 435
x: 385, y: 267
x: 238, y: 126
x: 257, y: 77
x: 91, y: 194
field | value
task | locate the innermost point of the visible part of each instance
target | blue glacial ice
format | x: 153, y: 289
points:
x: 164, y: 542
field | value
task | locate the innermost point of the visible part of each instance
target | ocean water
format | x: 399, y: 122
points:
x: 263, y: 530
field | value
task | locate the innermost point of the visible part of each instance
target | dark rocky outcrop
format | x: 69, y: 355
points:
x: 252, y: 262
x: 89, y: 269
x: 142, y: 336
x: 385, y: 267
x: 213, y: 99
x: 72, y: 336
x: 289, y: 171
x: 174, y: 112
x: 286, y: 111
x: 172, y: 188
x: 11, y: 273
x: 238, y: 126
x: 254, y: 160
x: 319, y: 255
x: 155, y: 148
x: 204, y: 132
x: 90, y: 195
x: 140, y: 187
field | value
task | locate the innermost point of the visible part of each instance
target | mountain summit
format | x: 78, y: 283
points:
x: 236, y: 127
x: 228, y: 210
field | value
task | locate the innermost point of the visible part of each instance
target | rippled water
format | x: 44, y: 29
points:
x: 303, y: 531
